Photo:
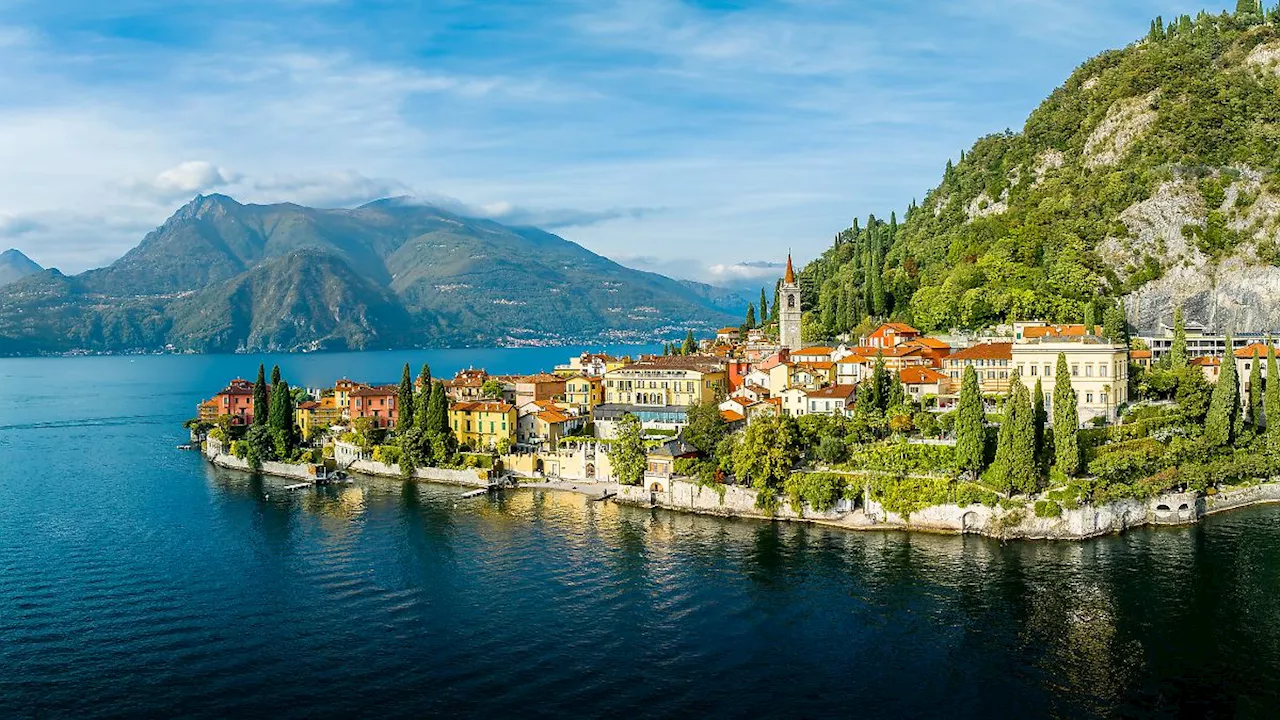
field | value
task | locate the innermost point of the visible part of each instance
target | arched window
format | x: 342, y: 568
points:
x: 791, y: 302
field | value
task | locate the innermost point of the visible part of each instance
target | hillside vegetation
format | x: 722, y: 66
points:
x: 1152, y: 174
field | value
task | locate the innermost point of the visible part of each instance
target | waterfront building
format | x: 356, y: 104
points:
x: 342, y: 395
x: 378, y: 403
x: 313, y: 415
x: 790, y: 312
x: 1099, y: 372
x: 677, y: 380
x: 236, y: 400
x: 483, y: 424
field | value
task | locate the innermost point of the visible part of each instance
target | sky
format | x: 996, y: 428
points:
x: 699, y: 139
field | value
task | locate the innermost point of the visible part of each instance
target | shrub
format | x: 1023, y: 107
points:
x: 1048, y: 509
x: 820, y: 490
x: 905, y: 495
x: 974, y: 494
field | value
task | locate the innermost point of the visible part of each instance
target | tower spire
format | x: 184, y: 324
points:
x: 790, y: 277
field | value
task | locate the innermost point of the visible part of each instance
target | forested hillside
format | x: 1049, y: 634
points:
x: 1152, y: 175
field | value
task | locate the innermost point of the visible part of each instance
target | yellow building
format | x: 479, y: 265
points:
x: 342, y: 395
x: 483, y: 424
x: 584, y: 392
x: 315, y: 415
x: 666, y: 381
x: 1099, y: 372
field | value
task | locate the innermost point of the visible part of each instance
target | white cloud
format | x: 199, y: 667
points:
x: 192, y: 177
x: 323, y: 189
x: 12, y: 226
x: 751, y: 270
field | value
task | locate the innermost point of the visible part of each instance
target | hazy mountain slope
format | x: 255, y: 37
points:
x: 221, y: 275
x: 15, y: 266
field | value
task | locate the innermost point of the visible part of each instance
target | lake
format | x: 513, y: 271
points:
x: 136, y: 580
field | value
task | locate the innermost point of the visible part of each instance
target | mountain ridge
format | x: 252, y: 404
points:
x: 14, y: 265
x: 219, y: 276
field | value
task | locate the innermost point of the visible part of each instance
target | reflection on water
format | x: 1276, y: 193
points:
x: 135, y: 579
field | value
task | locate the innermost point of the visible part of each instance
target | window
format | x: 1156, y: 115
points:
x: 1033, y: 370
x: 1075, y: 370
x: 1088, y: 398
x: 1102, y: 369
x: 1104, y: 397
x: 791, y: 301
x: 1088, y: 370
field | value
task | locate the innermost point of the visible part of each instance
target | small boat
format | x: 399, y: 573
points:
x: 184, y: 447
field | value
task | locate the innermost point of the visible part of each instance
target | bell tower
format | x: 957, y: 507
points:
x: 789, y: 312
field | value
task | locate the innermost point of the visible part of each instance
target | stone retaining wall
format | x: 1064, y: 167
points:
x: 1084, y: 522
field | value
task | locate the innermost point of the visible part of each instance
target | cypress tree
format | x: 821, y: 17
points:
x: 1066, y: 421
x: 1016, y: 453
x: 690, y: 345
x: 404, y: 401
x: 969, y: 427
x: 1178, y: 350
x: 275, y: 375
x: 437, y: 410
x: 764, y: 309
x: 1038, y: 414
x: 879, y: 383
x: 1224, y: 405
x: 280, y: 422
x: 260, y: 400
x: 422, y: 397
x: 1271, y: 406
x: 777, y: 295
x: 751, y: 315
x: 897, y: 394
x: 1253, y: 412
x: 1090, y: 316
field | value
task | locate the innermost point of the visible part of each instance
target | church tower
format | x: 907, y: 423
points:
x: 789, y: 310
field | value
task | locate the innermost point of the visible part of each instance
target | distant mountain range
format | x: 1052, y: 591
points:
x: 221, y: 276
x: 15, y: 266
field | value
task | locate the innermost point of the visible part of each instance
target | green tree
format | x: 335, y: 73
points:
x: 1224, y: 406
x: 1253, y: 411
x: 971, y: 452
x: 770, y: 449
x: 751, y: 316
x: 275, y: 375
x: 437, y: 420
x: 1271, y: 403
x: 764, y: 308
x: 261, y: 408
x: 627, y: 454
x: 260, y: 444
x: 422, y: 396
x: 897, y: 394
x: 1066, y: 421
x: 690, y: 345
x: 1039, y: 415
x: 879, y: 383
x: 280, y: 419
x: 404, y: 401
x: 1178, y: 350
x: 706, y: 426
x: 1015, y: 449
x: 491, y: 389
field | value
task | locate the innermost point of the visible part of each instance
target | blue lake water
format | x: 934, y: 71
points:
x: 137, y: 581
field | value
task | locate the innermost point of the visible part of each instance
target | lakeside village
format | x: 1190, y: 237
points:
x: 1028, y: 429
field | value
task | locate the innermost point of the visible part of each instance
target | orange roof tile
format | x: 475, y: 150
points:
x: 1139, y: 354
x: 984, y: 351
x: 920, y: 375
x: 1248, y: 350
x: 790, y: 277
x: 834, y: 391
x: 498, y: 407
x: 731, y: 416
x: 815, y: 350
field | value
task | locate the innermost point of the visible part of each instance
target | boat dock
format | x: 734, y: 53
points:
x: 298, y: 486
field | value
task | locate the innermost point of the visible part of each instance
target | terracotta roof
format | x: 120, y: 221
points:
x: 897, y: 327
x: 1139, y: 354
x: 308, y: 405
x: 920, y: 375
x: 790, y: 277
x: 553, y: 416
x: 541, y: 378
x: 984, y: 351
x: 835, y: 392
x: 817, y: 364
x: 1248, y: 350
x: 499, y: 407
x: 815, y: 350
x: 240, y: 386
x: 700, y: 363
x: 931, y: 342
x: 1073, y: 330
x: 853, y: 360
x: 379, y: 391
x: 727, y: 330
x: 731, y: 416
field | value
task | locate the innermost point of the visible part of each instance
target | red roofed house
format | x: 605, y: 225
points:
x: 919, y: 381
x: 236, y: 400
x: 727, y: 334
x: 891, y: 335
x: 377, y: 403
x: 831, y: 400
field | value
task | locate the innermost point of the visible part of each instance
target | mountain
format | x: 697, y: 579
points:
x: 1152, y: 175
x: 221, y: 276
x: 15, y: 266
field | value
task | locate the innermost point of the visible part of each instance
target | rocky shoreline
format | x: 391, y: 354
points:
x: 1020, y: 523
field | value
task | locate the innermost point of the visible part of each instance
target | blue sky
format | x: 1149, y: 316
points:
x: 686, y: 137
